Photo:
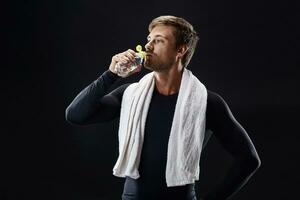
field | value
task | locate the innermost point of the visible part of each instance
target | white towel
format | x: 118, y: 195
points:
x: 186, y: 136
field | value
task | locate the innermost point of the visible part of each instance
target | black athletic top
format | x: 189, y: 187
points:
x: 94, y: 105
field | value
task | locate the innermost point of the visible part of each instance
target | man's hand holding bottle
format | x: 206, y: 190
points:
x: 127, y: 63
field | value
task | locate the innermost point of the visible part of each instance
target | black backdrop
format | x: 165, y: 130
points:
x: 248, y: 53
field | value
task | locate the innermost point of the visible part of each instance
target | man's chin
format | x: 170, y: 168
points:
x: 147, y: 66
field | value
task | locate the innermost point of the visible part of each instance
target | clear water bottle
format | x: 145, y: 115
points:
x: 123, y: 69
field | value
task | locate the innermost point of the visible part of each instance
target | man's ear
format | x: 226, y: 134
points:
x: 182, y: 50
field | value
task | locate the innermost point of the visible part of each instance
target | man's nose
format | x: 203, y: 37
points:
x: 149, y: 46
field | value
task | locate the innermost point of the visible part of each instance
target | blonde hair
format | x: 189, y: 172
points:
x: 184, y: 34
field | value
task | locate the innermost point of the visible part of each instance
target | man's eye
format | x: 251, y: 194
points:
x: 155, y: 40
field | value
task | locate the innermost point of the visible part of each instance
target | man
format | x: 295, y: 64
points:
x: 147, y: 137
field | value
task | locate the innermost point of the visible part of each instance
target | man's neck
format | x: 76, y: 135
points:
x: 168, y: 82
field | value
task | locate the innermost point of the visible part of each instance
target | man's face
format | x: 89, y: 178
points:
x: 161, y: 48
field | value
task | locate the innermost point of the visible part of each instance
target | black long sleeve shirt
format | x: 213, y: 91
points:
x: 95, y: 105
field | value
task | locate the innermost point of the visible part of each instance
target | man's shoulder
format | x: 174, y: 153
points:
x: 212, y: 94
x: 129, y: 87
x: 215, y: 99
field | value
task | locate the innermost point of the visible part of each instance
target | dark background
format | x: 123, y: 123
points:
x: 248, y: 53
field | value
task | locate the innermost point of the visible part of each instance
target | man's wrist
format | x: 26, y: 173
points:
x: 112, y: 70
x: 113, y: 74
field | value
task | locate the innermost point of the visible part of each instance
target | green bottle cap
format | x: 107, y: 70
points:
x: 140, y: 51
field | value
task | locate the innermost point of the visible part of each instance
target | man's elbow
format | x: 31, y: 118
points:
x: 71, y: 117
x: 253, y: 163
x: 256, y: 163
x: 249, y: 164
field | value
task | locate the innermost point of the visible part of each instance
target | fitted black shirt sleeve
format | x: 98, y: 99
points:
x: 95, y: 105
x: 235, y: 140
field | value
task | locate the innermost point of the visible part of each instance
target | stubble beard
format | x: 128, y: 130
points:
x: 154, y: 66
x: 149, y: 65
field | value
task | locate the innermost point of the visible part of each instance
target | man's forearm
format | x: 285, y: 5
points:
x: 236, y: 177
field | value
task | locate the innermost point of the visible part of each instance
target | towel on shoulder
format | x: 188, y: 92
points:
x: 186, y: 135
